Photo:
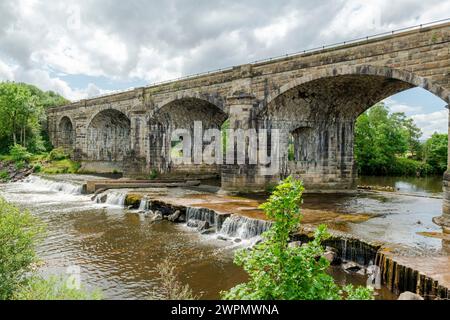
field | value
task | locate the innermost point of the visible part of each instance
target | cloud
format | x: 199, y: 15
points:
x: 146, y: 41
x: 432, y: 122
x: 395, y: 106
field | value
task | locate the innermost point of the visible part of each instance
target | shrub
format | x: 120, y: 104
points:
x: 37, y: 168
x: 171, y: 287
x: 153, y: 175
x: 19, y: 233
x: 20, y: 165
x: 19, y: 153
x: 57, y: 155
x: 279, y: 272
x: 4, y: 176
x: 54, y: 288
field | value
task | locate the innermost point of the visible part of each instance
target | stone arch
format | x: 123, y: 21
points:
x: 328, y: 102
x: 108, y: 136
x: 182, y: 112
x: 215, y: 100
x: 66, y: 134
x: 408, y: 79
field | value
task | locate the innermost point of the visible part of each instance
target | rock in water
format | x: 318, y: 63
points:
x: 209, y: 231
x: 351, y: 267
x: 332, y: 258
x: 175, y: 216
x: 409, y: 296
x: 202, y: 226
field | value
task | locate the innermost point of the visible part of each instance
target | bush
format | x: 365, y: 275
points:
x: 57, y: 155
x: 19, y: 153
x: 153, y: 175
x: 37, y: 168
x: 279, y: 272
x: 54, y: 288
x: 4, y: 176
x: 19, y: 233
x: 410, y: 167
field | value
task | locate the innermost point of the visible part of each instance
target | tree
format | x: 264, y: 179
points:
x: 436, y: 152
x: 22, y: 116
x: 278, y: 271
x: 379, y: 138
x: 14, y: 107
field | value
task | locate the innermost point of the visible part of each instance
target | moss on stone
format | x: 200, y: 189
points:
x: 133, y: 200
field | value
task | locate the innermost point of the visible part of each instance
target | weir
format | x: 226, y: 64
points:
x: 398, y: 272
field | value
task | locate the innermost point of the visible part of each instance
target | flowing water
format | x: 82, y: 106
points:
x: 119, y: 251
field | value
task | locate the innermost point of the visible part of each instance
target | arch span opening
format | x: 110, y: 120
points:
x: 66, y: 135
x: 108, y: 136
x: 323, y: 155
x: 178, y: 119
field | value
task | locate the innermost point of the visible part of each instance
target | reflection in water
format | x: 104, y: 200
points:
x: 431, y: 186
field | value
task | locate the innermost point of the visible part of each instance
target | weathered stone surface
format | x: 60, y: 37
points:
x: 313, y: 99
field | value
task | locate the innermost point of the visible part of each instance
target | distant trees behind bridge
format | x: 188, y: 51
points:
x: 390, y: 144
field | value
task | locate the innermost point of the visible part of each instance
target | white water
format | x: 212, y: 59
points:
x: 58, y: 186
x: 244, y: 228
x: 237, y: 227
x: 116, y: 199
x: 201, y: 214
x: 144, y: 205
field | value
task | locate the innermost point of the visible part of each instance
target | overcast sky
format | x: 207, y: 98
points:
x: 86, y: 47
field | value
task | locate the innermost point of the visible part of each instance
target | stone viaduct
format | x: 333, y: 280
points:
x: 313, y: 99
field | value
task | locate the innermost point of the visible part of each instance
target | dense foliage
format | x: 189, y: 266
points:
x: 278, y: 271
x: 389, y: 144
x: 53, y: 288
x: 22, y: 116
x: 20, y: 232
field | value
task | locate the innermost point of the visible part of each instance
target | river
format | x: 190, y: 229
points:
x: 119, y: 251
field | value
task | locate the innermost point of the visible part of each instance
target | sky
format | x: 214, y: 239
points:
x: 88, y: 47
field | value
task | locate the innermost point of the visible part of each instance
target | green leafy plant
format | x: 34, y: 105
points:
x: 37, y: 168
x: 57, y: 154
x: 278, y: 271
x: 19, y: 233
x: 19, y: 153
x: 153, y: 175
x: 54, y: 288
x: 4, y: 176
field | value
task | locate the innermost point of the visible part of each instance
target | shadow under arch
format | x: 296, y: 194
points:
x: 66, y: 137
x: 182, y: 114
x: 108, y: 136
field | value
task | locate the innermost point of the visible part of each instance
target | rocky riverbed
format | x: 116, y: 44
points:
x: 12, y: 172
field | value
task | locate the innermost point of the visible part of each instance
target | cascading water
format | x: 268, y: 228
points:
x: 116, y: 199
x: 57, y: 186
x: 144, y: 205
x: 201, y: 214
x: 243, y: 227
